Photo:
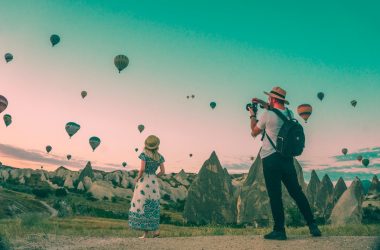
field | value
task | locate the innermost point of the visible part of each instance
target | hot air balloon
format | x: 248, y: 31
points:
x: 68, y: 157
x: 72, y: 128
x: 83, y: 94
x: 365, y: 162
x: 252, y: 158
x: 191, y: 155
x: 8, y: 57
x: 124, y: 164
x: 344, y: 151
x: 305, y: 110
x: 212, y: 105
x: 187, y: 97
x: 7, y: 119
x: 136, y: 149
x: 141, y: 128
x: 359, y: 158
x: 3, y: 103
x: 94, y: 142
x: 193, y: 96
x: 42, y: 167
x: 321, y: 95
x: 121, y: 62
x: 54, y: 39
x: 353, y: 103
x: 48, y: 148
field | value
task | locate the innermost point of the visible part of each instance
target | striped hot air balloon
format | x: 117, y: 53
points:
x: 121, y: 62
x: 3, y: 103
x: 305, y: 110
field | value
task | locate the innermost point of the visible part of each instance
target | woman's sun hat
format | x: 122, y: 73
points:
x: 152, y: 142
x: 278, y: 93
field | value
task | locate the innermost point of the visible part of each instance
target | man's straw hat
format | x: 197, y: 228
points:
x: 277, y: 93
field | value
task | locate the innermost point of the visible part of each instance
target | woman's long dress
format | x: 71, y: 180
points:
x: 144, y: 213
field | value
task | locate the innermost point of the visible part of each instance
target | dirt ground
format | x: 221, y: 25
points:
x: 202, y: 243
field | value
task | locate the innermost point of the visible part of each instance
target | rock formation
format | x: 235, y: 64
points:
x: 313, y: 189
x: 87, y: 171
x: 339, y: 189
x: 348, y: 210
x: 324, y: 201
x: 210, y: 196
x: 374, y: 189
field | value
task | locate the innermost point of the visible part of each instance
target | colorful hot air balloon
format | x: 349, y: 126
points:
x: 121, y: 62
x: 359, y: 158
x: 83, y: 94
x: 212, y: 105
x: 353, y: 103
x: 124, y: 164
x: 344, y: 151
x: 48, y: 148
x: 141, y: 128
x: 8, y: 57
x: 54, y: 39
x: 68, y: 157
x: 305, y: 110
x: 136, y: 149
x: 321, y: 95
x: 365, y: 162
x: 72, y: 128
x: 94, y: 142
x: 7, y: 119
x: 3, y: 103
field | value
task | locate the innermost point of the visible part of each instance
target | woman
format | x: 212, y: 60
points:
x: 144, y: 213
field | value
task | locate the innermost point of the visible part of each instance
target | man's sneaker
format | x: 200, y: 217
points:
x: 276, y: 235
x: 314, y: 230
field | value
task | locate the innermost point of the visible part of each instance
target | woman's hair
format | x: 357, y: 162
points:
x: 152, y: 153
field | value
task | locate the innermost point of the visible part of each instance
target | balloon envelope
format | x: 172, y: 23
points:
x: 344, y: 151
x: 321, y: 95
x: 94, y: 142
x: 136, y: 149
x: 212, y: 105
x: 124, y: 164
x: 8, y: 57
x: 353, y: 103
x: 68, y: 157
x: 7, y: 119
x: 121, y: 62
x: 359, y: 158
x: 191, y: 155
x: 71, y: 128
x: 3, y: 103
x: 83, y: 94
x: 365, y: 162
x: 305, y: 111
x: 54, y: 39
x: 141, y: 128
x: 48, y: 148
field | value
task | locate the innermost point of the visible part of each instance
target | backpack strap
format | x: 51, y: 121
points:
x: 283, y: 117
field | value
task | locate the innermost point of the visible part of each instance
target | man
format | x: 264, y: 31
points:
x: 277, y: 167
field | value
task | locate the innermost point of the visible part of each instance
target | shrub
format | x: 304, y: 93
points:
x: 294, y: 217
x: 41, y: 192
x: 166, y: 197
x: 58, y: 181
x: 165, y: 219
x: 90, y: 197
x: 60, y: 192
x: 4, y: 242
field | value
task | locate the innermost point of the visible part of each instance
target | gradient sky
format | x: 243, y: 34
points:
x: 226, y: 52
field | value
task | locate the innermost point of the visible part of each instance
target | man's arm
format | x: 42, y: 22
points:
x: 255, y: 130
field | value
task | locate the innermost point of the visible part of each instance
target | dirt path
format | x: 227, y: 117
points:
x: 52, y: 211
x: 201, y: 243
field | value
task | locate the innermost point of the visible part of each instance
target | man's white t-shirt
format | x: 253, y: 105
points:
x: 272, y: 124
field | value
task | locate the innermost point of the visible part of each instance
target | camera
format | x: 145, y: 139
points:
x: 253, y: 106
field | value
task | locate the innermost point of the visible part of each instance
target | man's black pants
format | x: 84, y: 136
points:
x: 278, y: 168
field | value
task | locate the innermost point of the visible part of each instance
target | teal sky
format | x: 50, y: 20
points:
x: 226, y: 52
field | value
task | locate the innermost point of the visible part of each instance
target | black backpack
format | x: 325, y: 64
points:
x: 291, y: 138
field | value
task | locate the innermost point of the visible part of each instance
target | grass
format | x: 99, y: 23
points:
x: 103, y: 227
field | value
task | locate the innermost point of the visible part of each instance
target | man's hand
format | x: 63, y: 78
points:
x: 252, y: 113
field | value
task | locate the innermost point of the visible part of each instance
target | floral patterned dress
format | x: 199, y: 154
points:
x: 144, y: 213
